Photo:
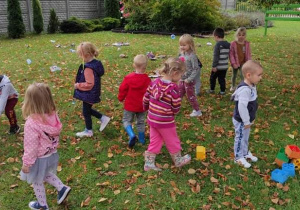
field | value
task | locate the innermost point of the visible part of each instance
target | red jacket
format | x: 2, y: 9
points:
x: 132, y: 90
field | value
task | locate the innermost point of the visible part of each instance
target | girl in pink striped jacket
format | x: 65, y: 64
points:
x: 240, y: 52
x: 163, y: 101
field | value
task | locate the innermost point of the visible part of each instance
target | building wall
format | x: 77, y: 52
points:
x: 228, y: 4
x: 84, y: 9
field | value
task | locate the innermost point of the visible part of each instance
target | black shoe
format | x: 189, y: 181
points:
x: 14, y: 130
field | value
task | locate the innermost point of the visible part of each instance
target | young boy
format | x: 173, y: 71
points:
x: 220, y: 62
x: 245, y: 98
x: 8, y: 100
x: 132, y: 91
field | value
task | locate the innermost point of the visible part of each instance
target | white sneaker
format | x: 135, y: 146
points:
x: 196, y: 113
x: 252, y: 157
x: 85, y: 133
x: 243, y: 162
x: 104, y: 121
x: 232, y: 89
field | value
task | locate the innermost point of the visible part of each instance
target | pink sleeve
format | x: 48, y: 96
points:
x: 232, y: 53
x: 89, y: 80
x: 248, y: 55
x: 31, y: 143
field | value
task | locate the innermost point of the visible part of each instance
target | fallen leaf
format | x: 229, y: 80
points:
x: 116, y: 192
x: 213, y: 180
x: 86, y: 202
x: 102, y: 200
x: 275, y: 200
x: 191, y: 171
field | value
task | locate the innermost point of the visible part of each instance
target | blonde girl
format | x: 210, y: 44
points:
x: 88, y: 87
x: 163, y: 101
x: 240, y: 52
x: 187, y: 82
x: 41, y: 138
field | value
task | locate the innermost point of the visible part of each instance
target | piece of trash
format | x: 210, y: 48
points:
x: 106, y: 44
x: 119, y: 48
x: 54, y: 68
x: 58, y: 45
x: 123, y: 56
x: 126, y: 44
x: 209, y: 44
x: 28, y: 61
x: 72, y: 51
x: 173, y: 36
x: 150, y: 55
x: 73, y: 102
x: 117, y: 44
x: 52, y: 41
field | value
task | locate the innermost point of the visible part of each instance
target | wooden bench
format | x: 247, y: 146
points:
x: 282, y: 12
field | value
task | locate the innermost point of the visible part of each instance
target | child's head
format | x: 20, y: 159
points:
x: 140, y: 63
x: 38, y: 100
x: 87, y: 50
x: 186, y: 43
x: 240, y: 34
x: 252, y: 71
x: 173, y: 68
x: 219, y: 33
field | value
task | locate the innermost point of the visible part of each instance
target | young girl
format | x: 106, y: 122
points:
x: 41, y: 138
x: 240, y: 52
x: 88, y: 87
x: 163, y: 101
x: 187, y: 83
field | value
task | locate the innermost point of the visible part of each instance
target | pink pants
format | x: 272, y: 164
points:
x: 189, y: 90
x: 159, y: 136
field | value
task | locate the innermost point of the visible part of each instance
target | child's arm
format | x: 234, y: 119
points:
x: 176, y: 100
x: 249, y: 53
x: 31, y: 143
x: 123, y: 90
x: 195, y: 69
x: 146, y: 98
x: 89, y: 81
x: 216, y: 56
x: 3, y: 98
x: 232, y: 55
x: 242, y: 107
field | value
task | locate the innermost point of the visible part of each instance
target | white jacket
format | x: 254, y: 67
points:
x: 7, y: 91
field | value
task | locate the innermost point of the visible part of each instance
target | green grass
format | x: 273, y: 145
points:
x: 93, y: 175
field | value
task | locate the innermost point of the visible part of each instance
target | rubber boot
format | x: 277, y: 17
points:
x: 132, y: 137
x: 150, y: 162
x: 180, y: 161
x: 142, y: 138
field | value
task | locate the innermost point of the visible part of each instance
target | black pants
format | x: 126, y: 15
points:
x: 221, y: 75
x: 88, y: 112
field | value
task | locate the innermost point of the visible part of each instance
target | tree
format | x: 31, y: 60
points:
x: 269, y: 3
x: 38, y: 22
x: 16, y: 27
x: 53, y: 22
x: 112, y: 8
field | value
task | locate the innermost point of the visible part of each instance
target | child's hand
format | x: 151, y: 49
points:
x: 214, y: 69
x: 25, y: 169
x: 235, y: 66
x: 75, y: 85
x: 186, y: 81
x: 247, y: 126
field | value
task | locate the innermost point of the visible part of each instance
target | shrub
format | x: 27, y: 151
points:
x: 242, y: 20
x: 173, y: 15
x: 38, y: 23
x: 16, y: 27
x: 73, y: 25
x: 228, y: 22
x: 112, y: 8
x: 53, y: 22
x: 110, y: 23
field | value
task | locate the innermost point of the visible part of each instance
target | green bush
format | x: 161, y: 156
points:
x: 38, y: 22
x: 112, y: 8
x: 173, y: 15
x: 53, y: 22
x: 110, y: 23
x: 73, y: 25
x: 242, y: 20
x: 228, y: 22
x: 16, y: 27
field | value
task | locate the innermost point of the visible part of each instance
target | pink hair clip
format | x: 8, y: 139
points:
x: 182, y: 58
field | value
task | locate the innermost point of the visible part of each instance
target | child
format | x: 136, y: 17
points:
x: 88, y: 87
x: 187, y: 83
x: 240, y: 52
x: 41, y: 139
x: 198, y: 80
x: 8, y: 100
x: 245, y: 97
x: 220, y: 62
x: 163, y: 101
x: 132, y: 91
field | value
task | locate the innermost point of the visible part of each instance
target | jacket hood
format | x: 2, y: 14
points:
x: 162, y: 88
x: 96, y: 65
x: 4, y: 80
x: 50, y: 125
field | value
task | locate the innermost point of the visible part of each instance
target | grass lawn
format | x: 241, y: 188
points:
x: 103, y: 174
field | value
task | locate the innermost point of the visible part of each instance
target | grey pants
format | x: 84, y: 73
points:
x: 234, y: 75
x: 197, y: 83
x: 128, y: 118
x: 241, y: 139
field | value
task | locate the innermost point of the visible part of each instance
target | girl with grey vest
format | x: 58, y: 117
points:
x: 88, y: 87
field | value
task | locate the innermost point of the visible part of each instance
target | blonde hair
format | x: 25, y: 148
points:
x: 188, y: 39
x: 38, y: 100
x: 250, y: 66
x: 172, y: 65
x: 240, y: 30
x: 140, y: 61
x: 85, y: 49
